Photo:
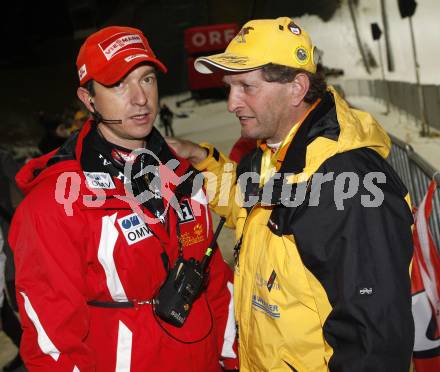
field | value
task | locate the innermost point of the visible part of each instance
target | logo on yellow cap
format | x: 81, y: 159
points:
x: 302, y: 57
x: 241, y: 35
x: 294, y: 28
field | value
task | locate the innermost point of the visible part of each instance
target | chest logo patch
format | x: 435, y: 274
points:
x: 134, y: 228
x: 185, y: 214
x: 194, y: 237
x: 99, y: 180
x: 271, y: 310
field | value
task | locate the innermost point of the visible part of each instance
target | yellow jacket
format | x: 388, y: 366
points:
x: 323, y: 284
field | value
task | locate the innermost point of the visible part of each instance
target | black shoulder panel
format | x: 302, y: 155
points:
x: 359, y: 247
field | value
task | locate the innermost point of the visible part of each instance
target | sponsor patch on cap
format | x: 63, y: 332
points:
x: 294, y: 28
x: 241, y: 36
x: 301, y: 55
x: 130, y: 58
x: 120, y: 42
x: 82, y: 72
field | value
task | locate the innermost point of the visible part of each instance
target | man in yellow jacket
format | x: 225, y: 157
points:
x: 322, y: 223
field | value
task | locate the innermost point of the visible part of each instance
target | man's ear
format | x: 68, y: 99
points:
x: 300, y: 87
x: 85, y: 97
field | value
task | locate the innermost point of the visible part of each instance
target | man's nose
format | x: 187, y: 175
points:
x: 138, y: 95
x: 234, y: 101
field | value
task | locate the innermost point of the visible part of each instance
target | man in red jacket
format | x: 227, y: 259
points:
x: 91, y: 258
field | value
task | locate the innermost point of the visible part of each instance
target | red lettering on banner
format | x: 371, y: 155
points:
x: 213, y: 38
x: 205, y: 40
x: 198, y: 39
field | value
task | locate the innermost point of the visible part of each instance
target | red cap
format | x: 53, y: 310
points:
x: 109, y: 54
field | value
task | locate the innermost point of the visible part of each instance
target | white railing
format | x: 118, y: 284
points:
x: 414, y: 171
x: 416, y: 174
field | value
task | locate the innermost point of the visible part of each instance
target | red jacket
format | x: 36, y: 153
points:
x: 241, y: 148
x: 97, y: 248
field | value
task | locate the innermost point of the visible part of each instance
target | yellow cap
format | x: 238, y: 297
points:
x: 261, y: 42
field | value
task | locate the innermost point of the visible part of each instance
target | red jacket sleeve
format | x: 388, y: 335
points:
x: 220, y: 296
x: 50, y: 272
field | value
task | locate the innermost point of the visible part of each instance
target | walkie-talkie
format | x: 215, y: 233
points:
x: 184, y: 284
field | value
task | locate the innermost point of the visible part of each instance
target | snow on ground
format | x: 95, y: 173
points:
x: 207, y: 121
x: 402, y: 126
x: 336, y: 39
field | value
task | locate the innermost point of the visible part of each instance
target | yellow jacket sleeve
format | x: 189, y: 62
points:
x: 224, y: 195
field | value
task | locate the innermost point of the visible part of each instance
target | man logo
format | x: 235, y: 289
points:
x: 134, y: 228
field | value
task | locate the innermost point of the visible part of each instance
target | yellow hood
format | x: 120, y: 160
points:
x: 359, y: 129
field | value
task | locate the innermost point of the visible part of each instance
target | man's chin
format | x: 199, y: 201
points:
x: 246, y: 134
x: 142, y: 133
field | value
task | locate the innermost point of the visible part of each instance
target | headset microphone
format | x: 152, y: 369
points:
x: 98, y: 117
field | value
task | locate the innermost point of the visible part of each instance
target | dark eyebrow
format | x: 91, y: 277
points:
x: 148, y: 73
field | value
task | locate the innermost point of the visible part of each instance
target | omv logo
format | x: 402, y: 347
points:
x: 130, y: 222
x: 134, y: 228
